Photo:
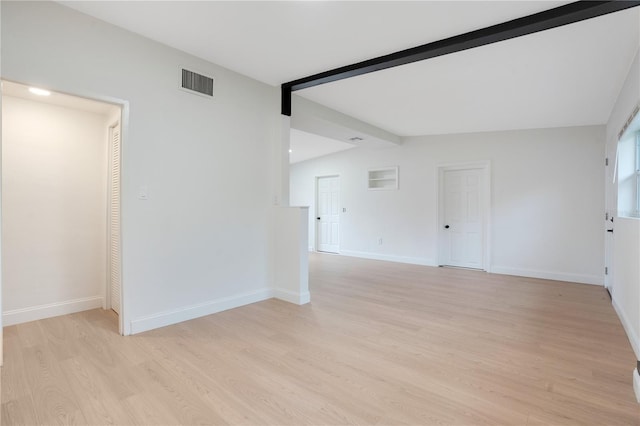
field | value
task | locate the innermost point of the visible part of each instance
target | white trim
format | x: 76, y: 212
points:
x: 292, y: 297
x: 389, y: 258
x: 34, y: 313
x: 636, y: 384
x: 485, y: 166
x: 123, y: 318
x: 626, y: 324
x: 175, y: 316
x: 549, y: 275
x: 311, y: 249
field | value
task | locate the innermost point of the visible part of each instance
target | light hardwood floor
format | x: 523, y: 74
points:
x: 380, y: 343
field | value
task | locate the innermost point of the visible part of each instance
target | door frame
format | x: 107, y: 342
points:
x: 124, y: 323
x: 316, y: 223
x: 485, y: 167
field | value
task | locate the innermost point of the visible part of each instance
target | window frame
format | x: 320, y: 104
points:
x: 637, y: 173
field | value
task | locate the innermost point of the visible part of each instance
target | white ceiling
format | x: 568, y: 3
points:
x: 562, y: 77
x: 55, y: 98
x: 279, y: 41
x: 305, y: 146
x: 568, y: 76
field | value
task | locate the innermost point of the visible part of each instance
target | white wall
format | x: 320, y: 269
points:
x: 291, y: 255
x: 201, y: 242
x: 54, y: 209
x: 626, y: 289
x: 546, y: 210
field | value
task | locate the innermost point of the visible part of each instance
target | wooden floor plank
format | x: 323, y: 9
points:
x: 380, y: 344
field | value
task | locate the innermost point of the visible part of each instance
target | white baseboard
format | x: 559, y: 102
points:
x: 292, y: 297
x: 626, y: 324
x: 389, y: 258
x: 636, y: 384
x: 549, y: 275
x: 166, y: 318
x: 34, y: 313
x: 311, y: 248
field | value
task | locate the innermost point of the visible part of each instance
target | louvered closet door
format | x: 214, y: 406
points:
x: 114, y: 202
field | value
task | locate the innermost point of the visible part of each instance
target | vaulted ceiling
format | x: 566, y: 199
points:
x: 562, y: 77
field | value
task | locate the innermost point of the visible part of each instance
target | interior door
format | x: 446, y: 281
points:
x: 328, y: 214
x: 608, y: 251
x: 114, y: 221
x: 462, y: 219
x: 610, y: 212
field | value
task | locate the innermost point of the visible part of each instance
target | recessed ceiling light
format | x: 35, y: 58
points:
x: 39, y: 92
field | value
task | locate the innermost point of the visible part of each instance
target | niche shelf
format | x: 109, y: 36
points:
x: 383, y: 178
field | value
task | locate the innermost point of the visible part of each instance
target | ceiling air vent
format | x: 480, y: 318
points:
x: 197, y: 82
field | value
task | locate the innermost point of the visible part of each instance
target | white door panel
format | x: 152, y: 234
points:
x: 611, y: 202
x: 328, y: 214
x: 463, y: 221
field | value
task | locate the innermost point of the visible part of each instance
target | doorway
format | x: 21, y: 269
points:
x: 463, y: 216
x: 328, y: 214
x: 56, y: 222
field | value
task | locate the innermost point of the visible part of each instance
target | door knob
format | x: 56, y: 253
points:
x: 610, y: 230
x: 446, y: 227
x: 318, y: 218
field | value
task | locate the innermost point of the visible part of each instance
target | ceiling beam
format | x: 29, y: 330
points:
x: 548, y: 19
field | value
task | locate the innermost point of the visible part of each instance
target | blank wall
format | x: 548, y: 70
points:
x: 54, y: 205
x: 201, y: 241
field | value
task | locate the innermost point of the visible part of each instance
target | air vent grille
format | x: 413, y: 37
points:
x: 197, y: 82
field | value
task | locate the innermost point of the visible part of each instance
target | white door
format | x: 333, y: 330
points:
x: 462, y: 218
x: 608, y: 251
x: 328, y: 214
x: 114, y: 221
x: 610, y: 212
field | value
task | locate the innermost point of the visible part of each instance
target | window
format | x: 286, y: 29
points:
x: 629, y: 175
